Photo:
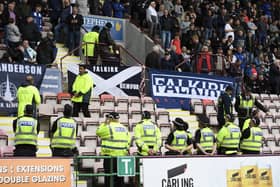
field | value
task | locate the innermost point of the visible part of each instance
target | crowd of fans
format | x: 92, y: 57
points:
x: 223, y: 37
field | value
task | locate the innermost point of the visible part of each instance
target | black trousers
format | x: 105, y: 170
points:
x: 78, y: 106
x: 117, y: 181
x: 25, y: 151
x: 250, y: 152
x: 241, y: 121
x: 62, y: 152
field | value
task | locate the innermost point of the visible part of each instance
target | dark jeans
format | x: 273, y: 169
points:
x: 118, y: 181
x: 74, y: 41
x: 62, y: 152
x: 78, y: 106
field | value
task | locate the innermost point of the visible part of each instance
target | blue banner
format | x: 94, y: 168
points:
x: 117, y: 30
x: 176, y: 89
x: 13, y: 76
x: 52, y: 82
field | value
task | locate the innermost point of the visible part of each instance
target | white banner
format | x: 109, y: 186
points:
x: 262, y: 171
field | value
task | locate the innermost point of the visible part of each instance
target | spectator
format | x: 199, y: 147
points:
x: 168, y: 4
x: 153, y: 58
x: 56, y: 7
x: 152, y: 19
x: 177, y: 43
x: 10, y: 12
x: 274, y: 77
x: 239, y: 39
x: 106, y: 40
x: 219, y: 61
x: 166, y: 24
x: 23, y: 9
x: 262, y: 30
x: 241, y: 57
x: 29, y: 54
x: 179, y: 9
x: 208, y: 25
x: 46, y: 50
x: 38, y: 18
x: 30, y: 32
x: 118, y: 9
x: 13, y: 34
x: 13, y: 55
x: 61, y: 29
x: 74, y: 23
x: 107, y: 8
x: 204, y: 63
x: 166, y: 62
x: 229, y: 31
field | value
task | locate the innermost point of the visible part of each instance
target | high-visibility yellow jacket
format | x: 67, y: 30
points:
x: 115, y: 139
x: 26, y: 131
x: 83, y: 85
x: 147, y: 134
x: 229, y: 136
x: 27, y: 95
x: 92, y: 37
x: 207, y: 139
x: 65, y: 134
x: 180, y: 140
x: 254, y: 142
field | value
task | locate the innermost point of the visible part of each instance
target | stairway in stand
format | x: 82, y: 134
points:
x: 61, y: 52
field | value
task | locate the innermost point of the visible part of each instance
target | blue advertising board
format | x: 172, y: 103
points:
x: 52, y: 82
x: 176, y: 89
x: 117, y: 30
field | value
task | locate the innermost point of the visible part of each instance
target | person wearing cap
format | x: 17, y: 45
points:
x: 224, y: 105
x: 178, y: 141
x: 244, y: 104
x: 81, y: 89
x: 64, y: 132
x: 115, y: 141
x: 106, y: 41
x: 205, y: 140
x: 147, y: 136
x: 26, y: 129
x: 46, y: 50
x: 251, y: 139
x: 92, y: 38
x: 74, y: 23
x: 228, y: 137
x: 28, y: 94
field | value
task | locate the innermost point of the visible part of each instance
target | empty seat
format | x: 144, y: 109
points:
x: 275, y: 150
x: 213, y: 119
x: 277, y: 119
x: 275, y: 129
x: 264, y: 96
x: 148, y: 104
x: 209, y: 108
x: 136, y: 116
x: 195, y: 101
x: 91, y: 124
x: 162, y: 115
x: 95, y: 113
x: 108, y: 101
x: 80, y: 124
x: 49, y: 98
x: 89, y: 140
x: 46, y: 110
x: 64, y: 98
x: 3, y: 138
x: 268, y: 119
x: 273, y: 109
x: 265, y: 128
x: 58, y: 108
x: 270, y: 140
x: 165, y: 129
x: 95, y: 100
x: 121, y: 103
x: 198, y: 108
x: 135, y: 103
x: 266, y: 150
x: 123, y: 116
x: 7, y: 151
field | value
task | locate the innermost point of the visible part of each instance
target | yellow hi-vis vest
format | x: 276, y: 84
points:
x: 117, y: 143
x: 83, y: 84
x: 26, y: 131
x: 232, y: 137
x: 207, y: 139
x: 65, y: 134
x: 254, y: 142
x: 149, y: 136
x: 93, y: 38
x: 180, y: 139
x: 246, y: 103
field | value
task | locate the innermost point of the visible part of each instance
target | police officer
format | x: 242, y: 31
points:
x: 228, y: 137
x: 224, y: 105
x: 28, y: 94
x: 26, y: 129
x: 81, y: 89
x: 205, y: 140
x: 115, y: 141
x: 64, y: 131
x: 244, y: 104
x: 251, y: 139
x: 147, y: 136
x: 255, y: 114
x: 93, y: 39
x: 178, y: 141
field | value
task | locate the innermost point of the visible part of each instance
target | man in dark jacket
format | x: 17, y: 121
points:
x: 46, y: 51
x: 165, y: 25
x: 30, y: 32
x: 74, y: 22
x: 106, y: 41
x: 153, y: 58
x: 224, y: 105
